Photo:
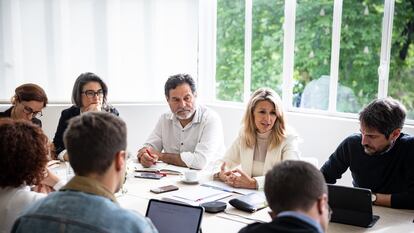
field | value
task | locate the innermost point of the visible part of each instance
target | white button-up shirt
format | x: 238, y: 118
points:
x: 199, y: 142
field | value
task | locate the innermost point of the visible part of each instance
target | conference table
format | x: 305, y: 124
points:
x: 136, y: 194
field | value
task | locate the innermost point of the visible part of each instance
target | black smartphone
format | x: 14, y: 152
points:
x: 164, y: 189
x: 148, y: 175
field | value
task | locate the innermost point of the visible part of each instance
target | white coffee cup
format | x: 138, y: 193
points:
x: 190, y: 176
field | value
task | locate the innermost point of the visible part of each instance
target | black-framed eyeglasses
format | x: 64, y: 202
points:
x: 91, y: 94
x: 28, y: 110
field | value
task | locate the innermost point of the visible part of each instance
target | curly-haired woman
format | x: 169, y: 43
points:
x: 23, y: 158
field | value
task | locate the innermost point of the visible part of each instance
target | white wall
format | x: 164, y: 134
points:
x: 320, y: 134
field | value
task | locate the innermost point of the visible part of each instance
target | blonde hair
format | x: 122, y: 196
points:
x: 279, y: 128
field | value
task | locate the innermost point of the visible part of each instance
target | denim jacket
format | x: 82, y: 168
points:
x: 83, y: 205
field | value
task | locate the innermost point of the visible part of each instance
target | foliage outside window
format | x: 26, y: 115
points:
x: 312, y: 53
x: 230, y: 50
x: 267, y: 44
x: 360, y: 45
x: 360, y: 52
x: 401, y: 77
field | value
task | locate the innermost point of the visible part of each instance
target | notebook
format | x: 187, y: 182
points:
x: 162, y: 168
x: 170, y: 217
x: 251, y: 202
x: 199, y: 194
x: 351, y: 206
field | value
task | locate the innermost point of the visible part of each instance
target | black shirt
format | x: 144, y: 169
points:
x: 391, y: 172
x: 66, y: 115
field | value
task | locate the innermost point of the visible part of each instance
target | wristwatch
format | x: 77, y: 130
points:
x: 373, y: 197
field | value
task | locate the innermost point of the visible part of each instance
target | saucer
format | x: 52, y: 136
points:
x: 189, y: 182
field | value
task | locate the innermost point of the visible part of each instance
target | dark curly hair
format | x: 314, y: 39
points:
x: 23, y: 153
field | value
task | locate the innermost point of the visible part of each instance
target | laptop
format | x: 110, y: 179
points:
x: 172, y: 217
x: 351, y: 206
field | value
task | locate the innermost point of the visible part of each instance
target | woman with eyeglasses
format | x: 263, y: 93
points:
x: 89, y: 94
x: 28, y: 102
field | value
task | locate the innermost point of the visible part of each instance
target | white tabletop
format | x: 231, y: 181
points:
x: 138, y: 194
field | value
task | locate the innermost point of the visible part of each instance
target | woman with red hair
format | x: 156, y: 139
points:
x: 23, y: 158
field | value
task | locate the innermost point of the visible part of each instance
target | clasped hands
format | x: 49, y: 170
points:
x: 236, y: 178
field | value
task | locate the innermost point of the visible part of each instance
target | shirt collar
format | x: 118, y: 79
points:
x: 302, y: 217
x: 390, y: 146
x: 89, y: 185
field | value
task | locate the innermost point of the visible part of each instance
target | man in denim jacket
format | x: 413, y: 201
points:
x: 96, y: 144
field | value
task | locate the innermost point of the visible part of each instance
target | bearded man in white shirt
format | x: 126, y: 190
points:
x: 190, y: 135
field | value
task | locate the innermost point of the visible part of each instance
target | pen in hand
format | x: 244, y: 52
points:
x: 149, y: 153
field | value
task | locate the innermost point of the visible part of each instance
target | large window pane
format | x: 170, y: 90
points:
x: 401, y: 77
x: 312, y: 53
x: 133, y: 45
x: 267, y: 44
x: 230, y: 50
x: 360, y: 53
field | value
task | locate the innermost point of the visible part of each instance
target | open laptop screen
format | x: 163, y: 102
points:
x: 171, y: 217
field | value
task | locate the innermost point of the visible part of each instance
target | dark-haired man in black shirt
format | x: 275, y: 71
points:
x: 380, y: 157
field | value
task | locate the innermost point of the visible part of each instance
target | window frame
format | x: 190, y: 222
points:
x: 288, y: 58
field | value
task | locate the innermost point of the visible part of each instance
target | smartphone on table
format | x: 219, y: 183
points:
x: 164, y: 189
x: 149, y: 175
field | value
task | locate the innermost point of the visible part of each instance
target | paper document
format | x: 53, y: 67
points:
x: 200, y: 194
x: 163, y: 168
x: 227, y: 188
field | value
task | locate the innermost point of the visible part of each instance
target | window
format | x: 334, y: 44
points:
x: 230, y: 50
x: 359, y: 54
x: 342, y: 51
x: 401, y: 75
x: 134, y: 45
x: 267, y: 44
x: 312, y: 54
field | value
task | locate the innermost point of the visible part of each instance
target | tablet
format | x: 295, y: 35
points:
x: 169, y: 217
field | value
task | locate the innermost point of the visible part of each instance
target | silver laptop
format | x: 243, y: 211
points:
x: 351, y: 206
x: 172, y: 217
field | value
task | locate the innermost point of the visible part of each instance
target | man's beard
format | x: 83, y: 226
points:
x: 190, y: 113
x: 372, y: 152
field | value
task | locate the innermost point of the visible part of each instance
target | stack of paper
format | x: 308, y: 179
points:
x: 227, y: 188
x: 199, y: 194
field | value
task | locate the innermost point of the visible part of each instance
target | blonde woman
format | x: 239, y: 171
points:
x: 262, y: 142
